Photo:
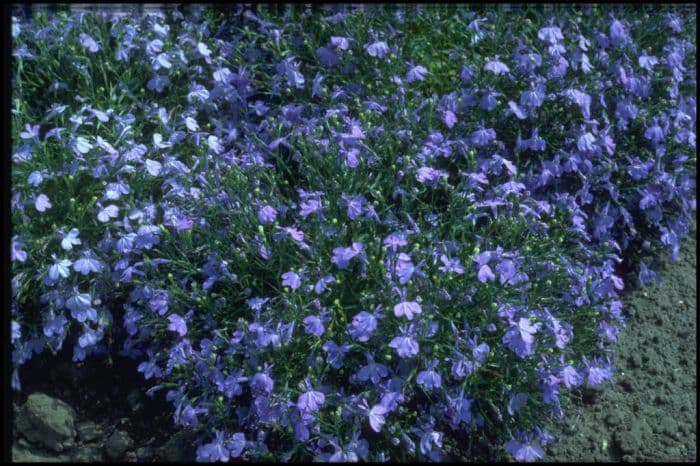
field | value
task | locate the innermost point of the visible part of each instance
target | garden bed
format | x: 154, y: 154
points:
x: 340, y: 233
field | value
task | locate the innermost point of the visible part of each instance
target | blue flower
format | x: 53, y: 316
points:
x: 313, y: 325
x: 311, y: 401
x: 550, y: 34
x: 405, y: 345
x: 60, y: 268
x: 372, y: 371
x: 496, y: 67
x: 42, y: 203
x: 362, y: 326
x: 429, y: 378
x: 267, y: 215
x: 407, y: 309
x: 291, y: 280
x: 377, y: 49
x: 523, y: 450
x: 214, y: 451
x: 335, y: 353
x: 261, y: 384
x: 377, y: 417
x: 111, y: 211
x: 88, y: 263
x: 177, y: 324
x: 89, y: 43
x: 416, y: 73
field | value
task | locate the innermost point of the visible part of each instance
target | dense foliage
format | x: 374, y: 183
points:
x: 384, y: 234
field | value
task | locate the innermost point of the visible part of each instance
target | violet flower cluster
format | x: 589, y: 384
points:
x: 348, y: 233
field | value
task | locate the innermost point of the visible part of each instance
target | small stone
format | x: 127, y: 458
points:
x: 23, y: 442
x: 144, y: 453
x: 32, y: 455
x: 88, y: 431
x: 47, y: 421
x: 88, y: 454
x: 117, y: 444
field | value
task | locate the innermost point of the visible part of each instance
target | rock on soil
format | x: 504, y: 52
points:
x: 47, y: 421
x: 117, y: 444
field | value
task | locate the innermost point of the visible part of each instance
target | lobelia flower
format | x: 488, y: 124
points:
x: 177, y: 324
x: 377, y: 417
x: 107, y: 213
x: 430, y: 378
x: 430, y: 176
x: 313, y: 325
x: 80, y: 305
x: 89, y: 43
x: 343, y: 256
x: 355, y: 205
x: 451, y: 265
x: 310, y: 401
x: 290, y: 68
x: 520, y: 337
x: 267, y: 215
x: 341, y: 43
x: 523, y: 449
x: 654, y: 133
x: 373, y: 371
x: 496, y: 66
x: 489, y: 100
x: 30, y: 132
x: 570, y: 376
x: 404, y: 268
x: 480, y: 352
x: 291, y: 280
x: 59, y: 268
x: 309, y: 206
x: 416, y: 73
x: 550, y: 34
x: 54, y: 325
x: 646, y: 275
x: 407, y: 309
x: 597, y: 372
x: 335, y: 353
x: 514, y: 109
x: 648, y: 62
x: 88, y: 263
x: 405, y: 345
x: 231, y: 385
x: 214, y: 451
x: 362, y: 326
x: 320, y: 286
x: 618, y: 34
x: 483, y: 136
x: 449, y: 118
x: 485, y: 274
x: 16, y: 252
x: 377, y: 49
x: 42, y: 202
x: 516, y: 402
x: 261, y: 384
x: 395, y: 240
x: 533, y: 98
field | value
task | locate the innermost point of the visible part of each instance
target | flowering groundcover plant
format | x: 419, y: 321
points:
x: 394, y: 234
